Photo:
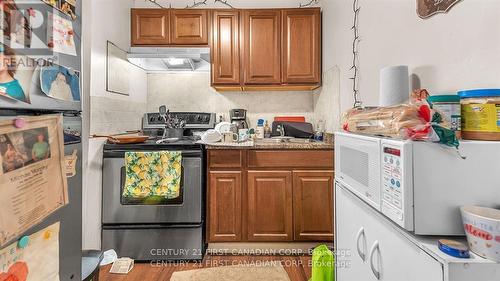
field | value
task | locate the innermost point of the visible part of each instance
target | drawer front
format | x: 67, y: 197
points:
x: 290, y: 158
x: 155, y: 243
x: 225, y: 158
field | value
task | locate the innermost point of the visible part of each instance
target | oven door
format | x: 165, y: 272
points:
x: 187, y: 208
x: 357, y: 166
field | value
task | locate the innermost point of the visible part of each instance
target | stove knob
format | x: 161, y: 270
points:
x: 206, y: 119
x: 199, y: 118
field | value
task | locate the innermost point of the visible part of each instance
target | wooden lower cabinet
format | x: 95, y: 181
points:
x: 313, y: 197
x: 281, y: 199
x: 225, y: 206
x: 269, y: 200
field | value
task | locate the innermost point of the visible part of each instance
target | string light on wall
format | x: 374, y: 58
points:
x: 355, y: 55
x: 196, y: 4
x: 309, y: 4
x: 224, y: 2
x: 157, y: 4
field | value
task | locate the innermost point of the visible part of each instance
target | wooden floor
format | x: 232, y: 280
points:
x: 297, y: 267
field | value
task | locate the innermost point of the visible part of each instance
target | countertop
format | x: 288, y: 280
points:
x: 276, y: 145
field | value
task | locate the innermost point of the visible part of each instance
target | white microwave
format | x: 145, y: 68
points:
x: 419, y: 185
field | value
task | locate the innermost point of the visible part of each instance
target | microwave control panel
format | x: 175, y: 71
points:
x: 392, y: 180
x: 396, y: 177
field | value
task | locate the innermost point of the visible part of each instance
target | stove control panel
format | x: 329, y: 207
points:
x: 194, y: 120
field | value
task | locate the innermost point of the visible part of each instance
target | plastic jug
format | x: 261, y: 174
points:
x: 323, y: 264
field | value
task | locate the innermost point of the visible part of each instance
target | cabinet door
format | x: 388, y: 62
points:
x: 225, y: 206
x: 150, y: 27
x: 395, y: 258
x: 301, y: 50
x: 262, y: 47
x: 313, y: 205
x: 189, y: 27
x: 269, y: 206
x: 226, y: 48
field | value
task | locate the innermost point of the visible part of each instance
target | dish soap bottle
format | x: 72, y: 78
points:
x: 267, y: 131
x: 259, y: 131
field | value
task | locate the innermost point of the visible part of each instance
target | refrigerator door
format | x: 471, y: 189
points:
x: 69, y: 216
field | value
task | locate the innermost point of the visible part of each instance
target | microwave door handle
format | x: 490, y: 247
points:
x: 375, y: 247
x: 361, y: 254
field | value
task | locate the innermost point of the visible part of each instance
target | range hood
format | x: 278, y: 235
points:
x: 170, y: 59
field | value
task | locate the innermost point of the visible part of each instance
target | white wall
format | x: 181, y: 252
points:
x: 236, y: 3
x: 112, y: 112
x: 109, y: 112
x: 457, y: 50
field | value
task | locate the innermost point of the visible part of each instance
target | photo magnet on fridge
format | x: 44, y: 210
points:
x: 60, y: 82
x: 16, y: 72
x: 69, y: 7
x: 15, y: 25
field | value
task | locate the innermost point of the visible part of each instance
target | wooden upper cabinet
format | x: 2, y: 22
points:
x: 189, y: 27
x: 301, y: 50
x: 226, y: 48
x: 269, y: 206
x: 313, y: 197
x: 150, y: 27
x: 262, y: 47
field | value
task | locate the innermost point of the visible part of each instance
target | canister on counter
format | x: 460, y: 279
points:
x: 480, y: 114
x: 449, y: 106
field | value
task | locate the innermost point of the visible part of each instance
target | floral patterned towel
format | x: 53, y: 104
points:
x: 156, y: 173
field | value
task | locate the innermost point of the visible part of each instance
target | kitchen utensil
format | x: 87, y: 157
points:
x: 230, y: 137
x: 211, y: 136
x: 123, y: 139
x: 163, y: 112
x: 167, y: 140
x: 482, y: 228
x: 242, y: 135
x: 223, y: 127
x: 173, y: 133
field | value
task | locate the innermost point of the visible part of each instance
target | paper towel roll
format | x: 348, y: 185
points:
x: 394, y: 85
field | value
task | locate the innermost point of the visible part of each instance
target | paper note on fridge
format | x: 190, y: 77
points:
x: 32, y: 258
x: 33, y: 180
x: 61, y: 35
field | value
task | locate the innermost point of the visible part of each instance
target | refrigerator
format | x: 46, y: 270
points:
x: 70, y: 215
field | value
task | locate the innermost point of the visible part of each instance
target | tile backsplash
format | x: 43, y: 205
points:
x: 112, y: 116
x: 192, y: 92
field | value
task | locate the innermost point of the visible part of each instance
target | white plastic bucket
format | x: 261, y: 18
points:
x: 482, y: 227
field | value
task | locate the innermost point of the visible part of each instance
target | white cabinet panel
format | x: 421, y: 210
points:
x: 393, y: 258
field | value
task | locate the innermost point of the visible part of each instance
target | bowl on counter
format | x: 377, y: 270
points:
x: 482, y: 228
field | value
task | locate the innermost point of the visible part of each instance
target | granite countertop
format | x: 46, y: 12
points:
x: 275, y: 145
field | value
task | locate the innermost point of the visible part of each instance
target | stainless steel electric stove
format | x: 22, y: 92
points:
x: 169, y: 230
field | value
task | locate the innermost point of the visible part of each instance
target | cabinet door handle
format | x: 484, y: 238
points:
x: 374, y: 248
x: 361, y: 254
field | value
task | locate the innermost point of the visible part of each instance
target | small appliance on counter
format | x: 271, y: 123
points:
x: 239, y: 118
x: 292, y: 129
x: 411, y: 182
